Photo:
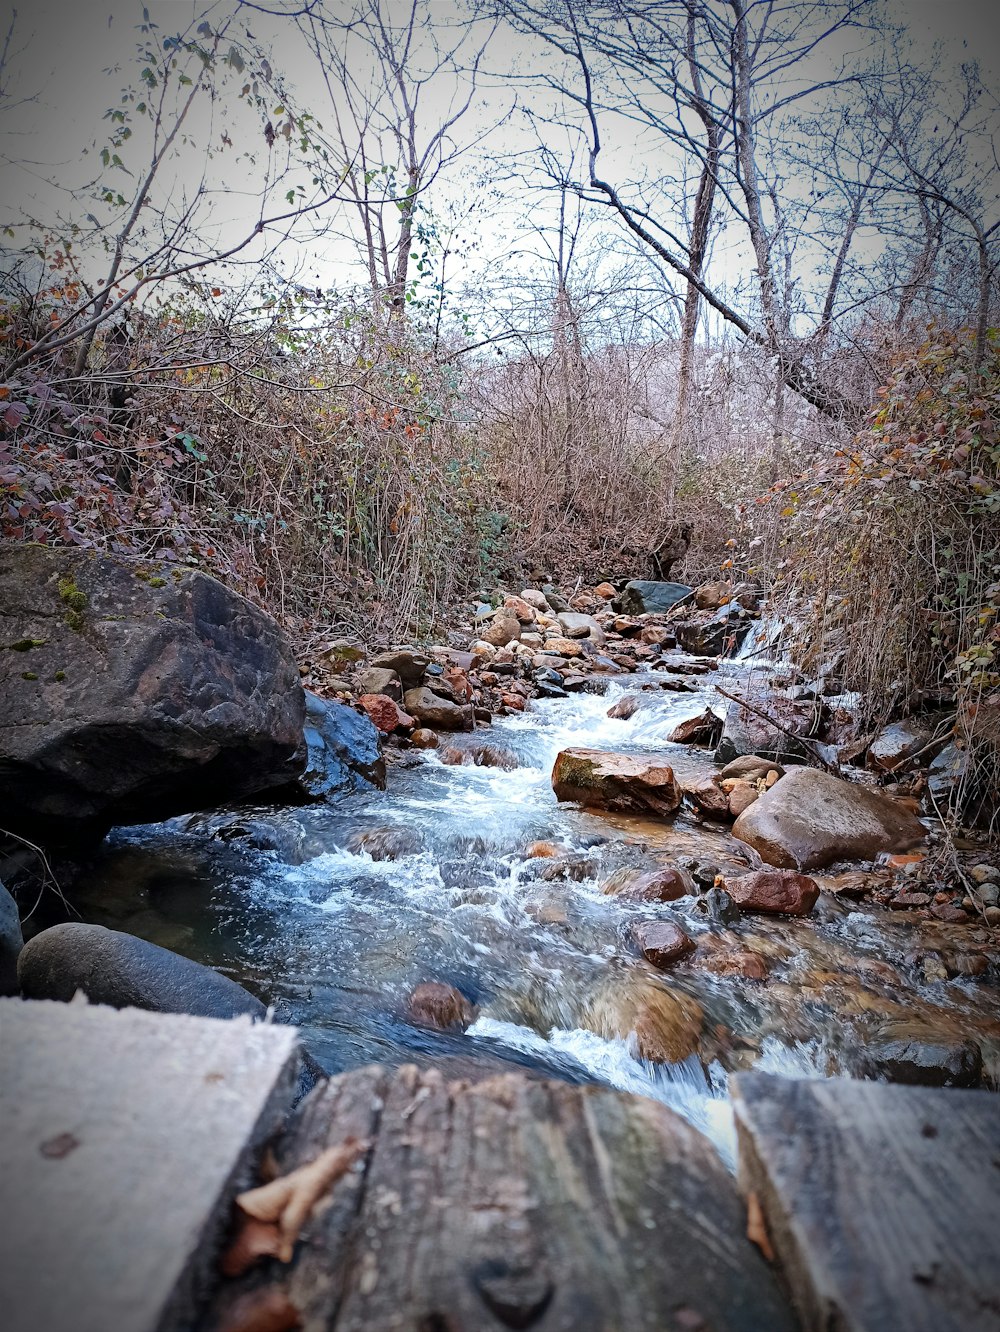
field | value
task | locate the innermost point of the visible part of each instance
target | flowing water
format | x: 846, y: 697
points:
x: 335, y: 939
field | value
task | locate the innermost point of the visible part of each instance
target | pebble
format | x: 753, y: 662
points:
x: 992, y: 915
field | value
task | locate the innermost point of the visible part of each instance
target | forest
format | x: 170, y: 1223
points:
x: 500, y: 642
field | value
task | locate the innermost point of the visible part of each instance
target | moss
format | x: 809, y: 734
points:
x: 28, y: 675
x: 157, y: 582
x: 26, y: 644
x: 71, y: 595
x: 74, y: 620
x: 59, y: 676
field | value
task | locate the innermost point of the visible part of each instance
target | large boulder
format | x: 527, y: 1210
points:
x: 646, y: 598
x: 11, y: 942
x: 618, y: 782
x: 810, y: 819
x: 343, y: 750
x: 125, y: 972
x: 134, y: 692
x: 772, y: 735
x: 714, y: 636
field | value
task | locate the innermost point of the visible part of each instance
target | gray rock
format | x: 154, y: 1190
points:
x: 407, y: 662
x: 380, y: 680
x: 641, y: 597
x: 133, y: 693
x: 575, y: 625
x: 11, y: 942
x: 125, y: 972
x: 894, y: 747
x: 343, y: 750
x: 746, y: 732
x: 720, y: 635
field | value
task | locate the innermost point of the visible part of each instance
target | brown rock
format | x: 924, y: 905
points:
x: 701, y: 730
x: 541, y: 850
x: 751, y: 767
x: 903, y: 901
x: 739, y: 962
x: 408, y: 663
x: 708, y: 797
x: 505, y: 628
x: 426, y: 706
x: 423, y: 738
x: 661, y: 942
x: 618, y: 782
x: 665, y: 884
x: 565, y: 647
x: 656, y: 635
x: 953, y: 915
x: 385, y: 712
x: 379, y: 680
x: 775, y: 892
x: 710, y: 596
x: 660, y: 1024
x: 741, y: 797
x: 605, y: 591
x: 811, y: 819
x: 434, y: 1004
x: 525, y: 613
x: 536, y: 600
x: 625, y: 707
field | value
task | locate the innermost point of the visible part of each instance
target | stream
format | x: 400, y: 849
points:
x: 335, y: 938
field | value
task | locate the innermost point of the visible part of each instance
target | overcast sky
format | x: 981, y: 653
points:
x: 70, y: 58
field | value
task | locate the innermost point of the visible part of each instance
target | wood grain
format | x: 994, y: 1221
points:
x: 882, y: 1202
x: 515, y: 1203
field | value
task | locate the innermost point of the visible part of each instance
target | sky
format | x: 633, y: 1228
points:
x: 69, y: 59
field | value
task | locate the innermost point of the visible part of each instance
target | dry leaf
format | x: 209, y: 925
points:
x: 266, y: 1310
x: 289, y: 1200
x: 757, y: 1227
x: 254, y: 1240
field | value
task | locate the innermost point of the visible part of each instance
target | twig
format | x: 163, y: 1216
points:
x: 812, y: 746
x: 46, y: 877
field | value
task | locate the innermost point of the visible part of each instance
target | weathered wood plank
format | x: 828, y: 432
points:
x: 882, y: 1202
x: 515, y: 1203
x: 124, y: 1136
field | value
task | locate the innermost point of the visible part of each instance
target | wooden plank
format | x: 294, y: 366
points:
x: 882, y: 1202
x: 513, y: 1203
x: 124, y: 1136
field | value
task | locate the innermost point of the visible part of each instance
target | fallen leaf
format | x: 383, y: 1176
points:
x: 757, y: 1227
x: 266, y: 1310
x: 288, y: 1201
x: 253, y: 1240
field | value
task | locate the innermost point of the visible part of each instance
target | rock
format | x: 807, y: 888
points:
x: 661, y: 942
x: 442, y: 1007
x: 947, y: 773
x: 641, y: 597
x: 605, y: 591
x: 343, y: 652
x: 907, y: 1052
x: 741, y: 797
x: 423, y: 738
x: 660, y: 1024
x: 708, y: 797
x: 774, y: 892
x: 385, y: 712
x: 951, y: 914
x: 380, y: 680
x: 710, y: 596
x: 736, y: 962
x: 342, y: 750
x: 133, y: 693
x: 563, y: 647
x: 385, y: 843
x: 535, y: 599
x: 745, y: 732
x: 701, y: 730
x: 984, y: 874
x: 625, y: 707
x: 665, y: 884
x: 481, y: 756
x: 407, y: 662
x: 11, y: 942
x: 433, y: 710
x: 720, y: 635
x: 721, y: 907
x: 907, y: 901
x: 895, y: 745
x: 747, y: 596
x: 751, y: 767
x: 125, y: 972
x: 810, y: 819
x: 505, y: 628
x: 574, y: 625
x: 617, y: 782
x: 657, y: 635
x: 554, y: 597
x: 992, y: 916
x: 522, y: 609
